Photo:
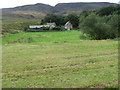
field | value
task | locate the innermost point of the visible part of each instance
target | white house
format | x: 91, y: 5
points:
x: 68, y: 26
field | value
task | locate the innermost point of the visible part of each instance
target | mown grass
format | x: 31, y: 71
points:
x: 37, y: 37
x: 58, y: 60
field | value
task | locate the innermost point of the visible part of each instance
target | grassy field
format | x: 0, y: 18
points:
x: 15, y: 24
x: 17, y: 20
x: 66, y: 59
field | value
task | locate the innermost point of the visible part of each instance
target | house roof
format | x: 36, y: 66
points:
x: 51, y: 24
x: 38, y: 26
x: 68, y: 23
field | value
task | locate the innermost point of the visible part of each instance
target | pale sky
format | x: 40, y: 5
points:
x: 14, y: 3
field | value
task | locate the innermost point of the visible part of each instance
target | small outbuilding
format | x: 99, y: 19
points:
x: 37, y: 27
x: 41, y: 27
x: 68, y: 25
x: 51, y: 25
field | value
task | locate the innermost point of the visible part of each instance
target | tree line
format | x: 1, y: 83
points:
x: 60, y: 20
x: 103, y: 23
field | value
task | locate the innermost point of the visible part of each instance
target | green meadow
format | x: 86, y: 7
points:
x: 62, y: 59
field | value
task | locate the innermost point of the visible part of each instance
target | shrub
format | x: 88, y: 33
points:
x: 99, y: 28
x: 27, y: 39
x: 45, y: 28
x: 114, y: 22
x: 109, y: 10
x: 58, y: 28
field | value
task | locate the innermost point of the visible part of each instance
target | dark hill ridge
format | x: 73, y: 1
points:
x: 36, y: 7
x: 39, y: 10
x: 78, y: 7
x: 28, y: 11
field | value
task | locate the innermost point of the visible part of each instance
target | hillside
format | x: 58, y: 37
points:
x: 39, y: 10
x: 28, y: 11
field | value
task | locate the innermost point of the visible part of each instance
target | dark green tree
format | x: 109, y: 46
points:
x: 109, y: 10
x: 97, y: 27
x: 74, y: 19
x: 58, y: 19
x: 101, y: 24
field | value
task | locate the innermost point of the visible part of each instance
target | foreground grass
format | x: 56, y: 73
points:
x: 38, y: 37
x: 58, y: 60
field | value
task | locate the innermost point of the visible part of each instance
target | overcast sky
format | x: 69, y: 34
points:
x: 14, y: 3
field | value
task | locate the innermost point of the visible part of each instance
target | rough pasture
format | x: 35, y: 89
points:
x: 58, y: 60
